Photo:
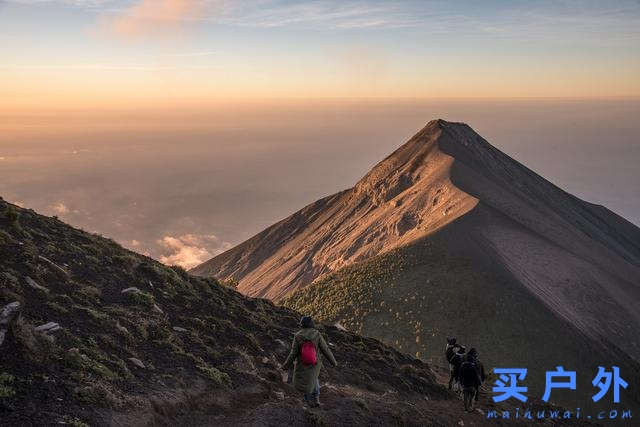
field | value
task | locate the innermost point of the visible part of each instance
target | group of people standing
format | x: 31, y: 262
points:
x: 466, y: 372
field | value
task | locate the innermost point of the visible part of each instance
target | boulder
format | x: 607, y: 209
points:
x: 47, y: 328
x: 338, y: 326
x: 7, y: 315
x: 55, y: 266
x: 35, y: 285
x: 137, y: 362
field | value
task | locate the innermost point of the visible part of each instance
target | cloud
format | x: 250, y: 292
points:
x: 153, y: 17
x: 345, y: 14
x: 189, y: 250
x: 60, y: 208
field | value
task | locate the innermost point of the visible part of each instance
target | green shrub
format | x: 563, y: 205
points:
x: 142, y: 298
x: 6, y: 388
x: 180, y: 271
x: 11, y: 215
x: 218, y: 377
x: 57, y: 307
x: 73, y: 422
x: 230, y: 282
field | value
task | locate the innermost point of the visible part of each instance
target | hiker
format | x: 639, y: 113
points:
x: 307, y: 364
x: 470, y: 379
x: 473, y: 353
x: 456, y: 361
x: 449, y: 353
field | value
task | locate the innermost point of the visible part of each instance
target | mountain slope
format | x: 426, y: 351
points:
x: 450, y: 284
x: 500, y: 252
x: 179, y: 350
x: 437, y: 176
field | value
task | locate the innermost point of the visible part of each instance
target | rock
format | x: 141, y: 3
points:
x: 157, y: 308
x: 265, y: 360
x: 461, y: 423
x: 35, y: 285
x: 48, y: 328
x: 150, y: 284
x: 179, y: 329
x: 131, y: 289
x: 137, y: 362
x: 340, y: 327
x: 55, y: 266
x: 8, y: 313
x: 285, y: 377
x: 279, y: 395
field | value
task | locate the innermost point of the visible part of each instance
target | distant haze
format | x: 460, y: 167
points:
x: 185, y: 185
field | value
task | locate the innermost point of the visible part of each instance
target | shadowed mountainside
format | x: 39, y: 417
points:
x: 139, y: 343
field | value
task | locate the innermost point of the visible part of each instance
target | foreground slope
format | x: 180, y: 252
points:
x: 448, y: 235
x: 179, y: 350
x: 104, y: 336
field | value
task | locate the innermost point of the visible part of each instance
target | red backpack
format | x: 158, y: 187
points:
x: 308, y: 353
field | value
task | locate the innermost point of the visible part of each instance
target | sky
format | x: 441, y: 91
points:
x: 182, y: 127
x: 115, y: 53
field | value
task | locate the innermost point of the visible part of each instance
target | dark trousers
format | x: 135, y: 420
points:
x: 314, y: 396
x: 468, y: 394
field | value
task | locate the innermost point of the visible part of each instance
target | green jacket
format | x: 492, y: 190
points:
x: 305, y: 376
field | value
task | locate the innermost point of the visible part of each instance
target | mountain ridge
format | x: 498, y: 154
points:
x: 457, y: 156
x: 494, y: 223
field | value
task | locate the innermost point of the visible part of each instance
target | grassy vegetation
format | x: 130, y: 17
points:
x: 221, y: 338
x: 349, y: 295
x: 6, y: 385
x: 416, y: 296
